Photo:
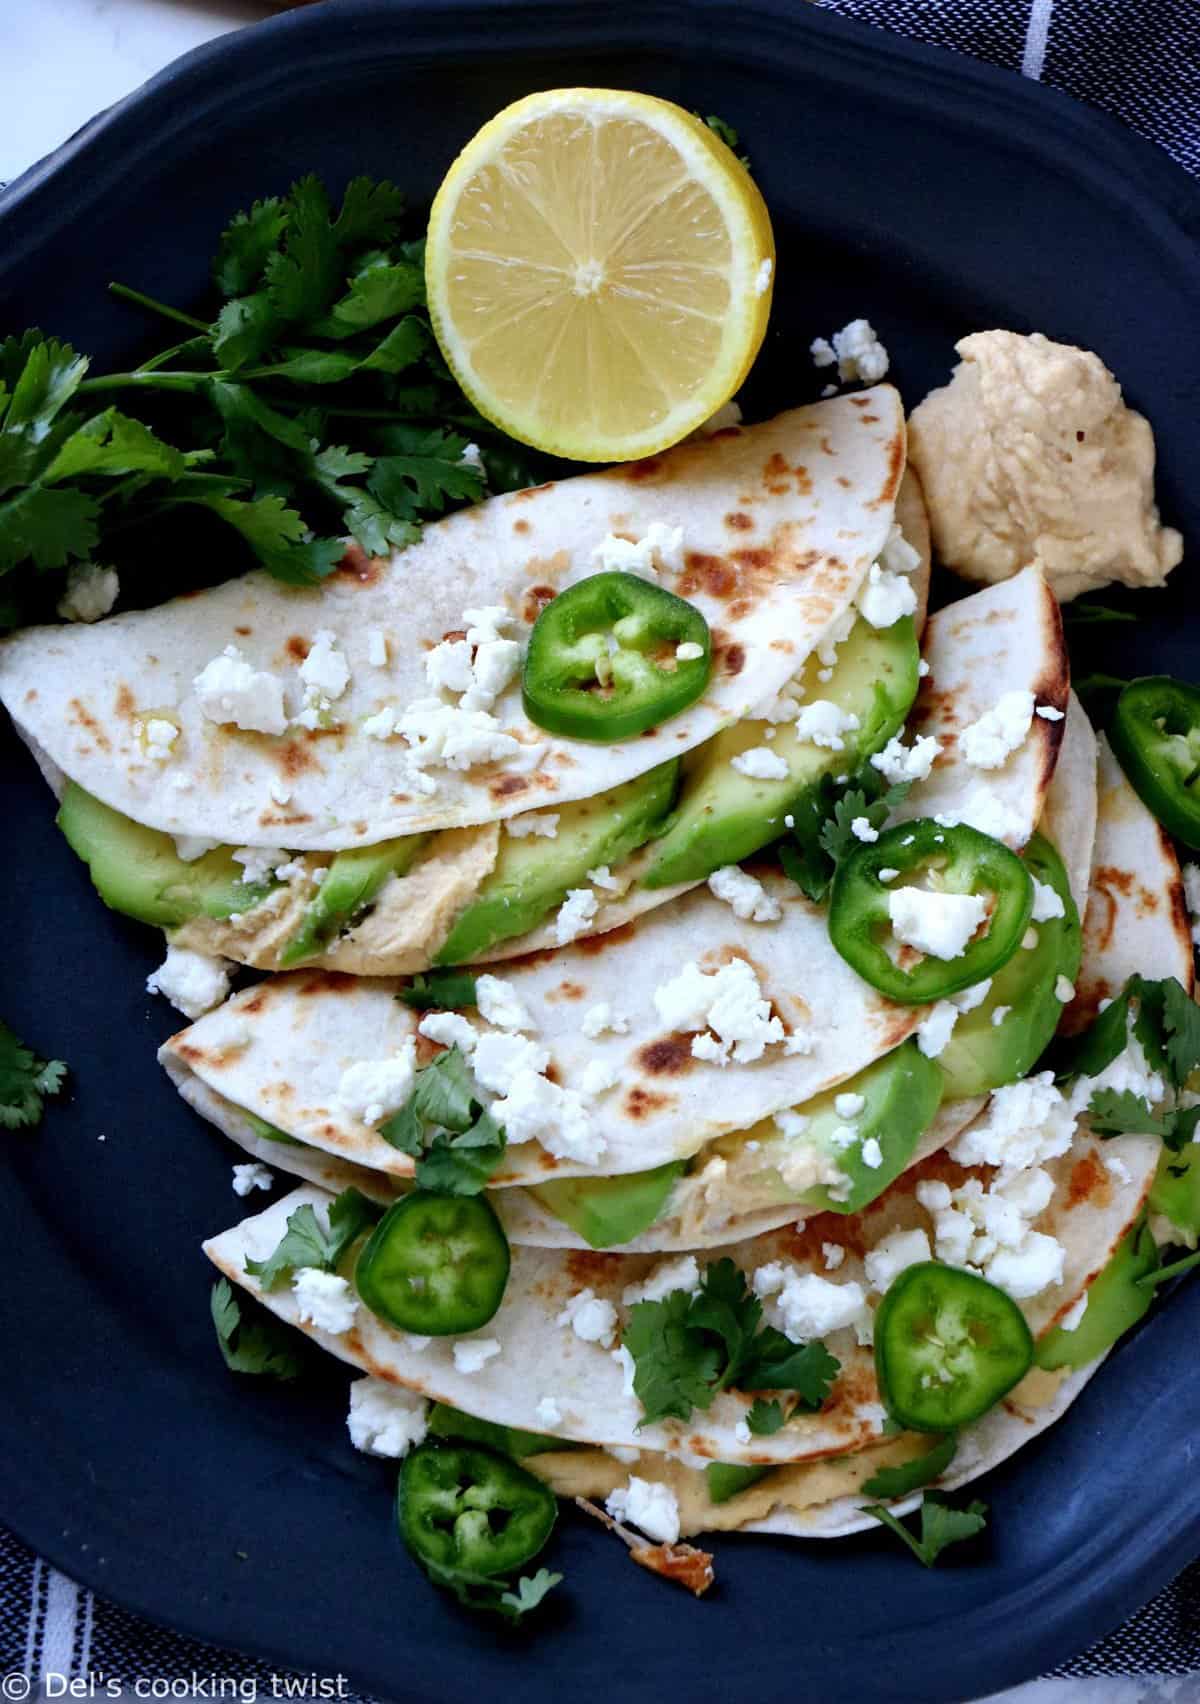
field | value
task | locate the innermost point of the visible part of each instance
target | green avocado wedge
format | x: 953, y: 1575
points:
x: 723, y: 816
x: 1115, y: 1303
x: 352, y: 881
x: 725, y: 1479
x: 902, y: 1092
x: 982, y: 1053
x: 138, y: 871
x: 534, y: 873
x: 609, y: 1211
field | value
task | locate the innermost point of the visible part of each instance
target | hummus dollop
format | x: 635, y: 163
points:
x: 1030, y: 454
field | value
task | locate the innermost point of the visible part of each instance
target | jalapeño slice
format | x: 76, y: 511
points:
x: 603, y: 660
x: 948, y: 1346
x: 1156, y: 735
x: 951, y: 861
x: 435, y: 1264
x: 466, y: 1509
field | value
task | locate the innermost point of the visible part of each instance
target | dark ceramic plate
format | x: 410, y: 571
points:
x: 923, y: 190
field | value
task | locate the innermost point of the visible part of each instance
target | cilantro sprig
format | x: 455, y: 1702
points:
x: 823, y: 834
x: 687, y: 1348
x: 308, y: 402
x: 1165, y: 1020
x: 455, y: 1141
x: 941, y: 1525
x: 26, y: 1082
x: 306, y: 1242
x: 909, y: 1476
x: 252, y: 1340
x: 485, y: 1591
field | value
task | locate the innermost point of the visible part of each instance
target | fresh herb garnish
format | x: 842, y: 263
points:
x: 455, y: 1141
x: 485, y: 1591
x: 25, y: 1082
x: 941, y: 1525
x: 307, y: 1243
x: 1113, y: 1112
x: 1086, y: 614
x: 825, y: 835
x: 251, y: 1339
x: 1176, y: 1270
x: 765, y: 1418
x: 1166, y: 1023
x: 722, y: 128
x: 687, y: 1348
x: 909, y: 1476
x: 440, y: 990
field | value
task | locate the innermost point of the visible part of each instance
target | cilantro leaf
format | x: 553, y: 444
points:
x: 41, y: 375
x: 455, y: 1141
x: 306, y: 1242
x: 765, y: 1418
x: 425, y: 474
x: 311, y: 366
x: 440, y: 990
x: 376, y: 294
x: 462, y: 1164
x: 251, y: 1339
x: 838, y: 838
x: 721, y: 128
x: 113, y: 443
x: 404, y: 344
x: 445, y: 1091
x: 530, y: 1592
x: 808, y: 866
x: 776, y: 1363
x: 302, y: 274
x: 47, y: 526
x: 1113, y: 1112
x: 676, y: 1368
x: 941, y: 1525
x: 1181, y: 1022
x: 245, y: 330
x: 488, y: 1592
x: 277, y: 536
x: 895, y: 1482
x: 246, y: 245
x: 1183, y: 1128
x: 370, y: 213
x: 25, y: 1082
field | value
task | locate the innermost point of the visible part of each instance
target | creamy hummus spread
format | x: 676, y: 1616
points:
x: 1030, y: 454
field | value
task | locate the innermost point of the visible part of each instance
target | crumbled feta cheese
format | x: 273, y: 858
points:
x: 893, y: 1255
x: 1073, y: 1317
x: 496, y: 664
x: 449, y: 1029
x: 372, y: 1089
x: 791, y: 1125
x: 599, y: 1075
x: 448, y: 666
x: 898, y: 762
x: 193, y: 982
x: 762, y: 278
x: 1028, y: 1269
x: 541, y: 823
x: 872, y: 1153
x: 1115, y: 1165
x: 158, y: 737
x: 652, y: 1508
x: 668, y: 1275
x: 229, y: 690
x: 991, y: 741
x: 897, y: 555
x: 1048, y: 713
x: 377, y: 648
x: 447, y: 735
x: 809, y: 1306
x: 939, y: 924
x: 382, y: 725
x: 1064, y: 989
x: 252, y: 1176
x: 280, y: 795
x: 887, y: 874
x: 660, y: 548
x: 385, y: 1419
x: 487, y: 622
x: 999, y: 1015
x: 91, y: 592
x: 861, y: 829
x: 324, y: 1299
x: 742, y: 1432
x: 729, y: 1002
x: 591, y: 1318
x: 628, y: 1368
x: 936, y: 1028
x: 760, y: 763
x: 548, y: 1412
x: 601, y: 1017
x: 922, y: 669
x: 856, y: 349
x: 885, y: 598
x: 500, y: 1004
x: 602, y: 877
x: 849, y: 1105
x: 689, y: 651
x: 1026, y: 1123
x: 535, y: 1109
x: 574, y: 914
x: 499, y: 1059
x: 325, y: 671
x: 258, y: 862
x: 822, y: 723
x: 822, y: 353
x: 472, y: 1353
x: 747, y: 897
x: 189, y: 847
x: 1047, y: 902
x: 833, y: 1254
x: 727, y: 416
x: 472, y: 457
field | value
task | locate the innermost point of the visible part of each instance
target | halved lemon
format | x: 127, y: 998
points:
x: 599, y: 269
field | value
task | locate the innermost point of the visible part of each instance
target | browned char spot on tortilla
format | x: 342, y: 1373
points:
x: 643, y: 1103
x: 643, y: 472
x: 534, y: 602
x: 587, y: 1268
x: 669, y: 1056
x: 297, y: 647
x: 730, y: 659
x: 83, y: 718
x: 508, y: 786
x: 1089, y: 1181
x: 567, y: 991
x: 521, y: 525
x: 1181, y: 923
x: 803, y: 1242
x: 895, y: 467
x: 283, y: 819
x: 703, y: 573
x: 294, y: 757
x: 356, y: 565
x: 1109, y: 886
x: 531, y: 491
x: 324, y: 982
x: 593, y: 945
x: 124, y: 704
x: 739, y: 521
x: 31, y: 695
x: 256, y: 1001
x: 243, y: 632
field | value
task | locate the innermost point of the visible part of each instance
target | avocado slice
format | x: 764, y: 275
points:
x: 447, y: 1422
x: 609, y: 1211
x: 903, y: 1091
x: 726, y: 1478
x: 353, y: 880
x: 138, y: 871
x: 533, y: 874
x: 1115, y: 1302
x: 982, y: 1055
x: 724, y: 816
x: 1175, y: 1192
x: 268, y: 1132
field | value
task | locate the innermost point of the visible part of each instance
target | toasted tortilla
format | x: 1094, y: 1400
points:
x: 1069, y: 815
x: 780, y: 524
x: 280, y: 1049
x: 1090, y: 1212
x: 1136, y: 919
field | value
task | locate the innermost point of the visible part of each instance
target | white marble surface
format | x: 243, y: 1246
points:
x: 63, y: 61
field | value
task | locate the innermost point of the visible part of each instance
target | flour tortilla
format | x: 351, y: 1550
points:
x: 1006, y: 638
x: 1069, y: 817
x: 780, y: 524
x: 280, y: 1049
x: 1090, y: 1212
x: 1136, y: 919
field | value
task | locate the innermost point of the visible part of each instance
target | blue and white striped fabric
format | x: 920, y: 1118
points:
x: 1136, y: 59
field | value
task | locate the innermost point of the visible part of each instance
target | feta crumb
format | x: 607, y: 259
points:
x: 660, y: 548
x: 1026, y: 1123
x: 760, y: 763
x: 499, y: 1059
x: 668, y: 1275
x: 762, y: 278
x: 936, y: 1028
x: 689, y: 651
x: 628, y: 1368
x: 189, y: 847
x: 885, y: 598
x: 791, y: 1124
x: 1048, y: 713
x: 472, y: 1353
x: 472, y: 457
x: 833, y: 1254
x: 280, y: 794
x: 385, y: 1419
x: 728, y: 1002
x: 809, y: 1306
x: 258, y: 862
x: 548, y: 1412
x: 450, y: 736
x: 159, y: 737
x: 325, y: 671
x: 535, y: 1109
x: 91, y: 592
x: 872, y: 1153
x: 1115, y: 1165
x: 324, y: 1299
x: 575, y: 913
x: 1030, y: 1268
x: 599, y: 1075
x: 849, y: 1105
x: 590, y: 1317
x: 601, y: 1017
x: 991, y: 741
x: 193, y: 982
x: 500, y: 1004
x: 252, y: 1176
x: 1064, y: 989
x: 822, y: 723
x: 382, y: 725
x: 939, y: 924
x: 742, y: 1432
x: 897, y: 555
x: 602, y: 877
x: 861, y: 829
x: 377, y: 648
x: 999, y: 1015
x: 1047, y: 902
x: 652, y: 1508
x: 898, y: 762
x: 922, y: 669
x: 622, y: 1452
x: 448, y: 666
x: 728, y: 415
x: 449, y: 1029
x: 887, y: 874
x: 496, y: 664
x: 1073, y: 1317
x: 541, y: 823
x: 487, y: 622
x: 893, y: 1255
x: 822, y: 353
x: 229, y: 690
x: 856, y: 349
x: 746, y: 895
x: 372, y: 1089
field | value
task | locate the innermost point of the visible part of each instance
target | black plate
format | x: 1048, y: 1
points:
x: 923, y: 190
